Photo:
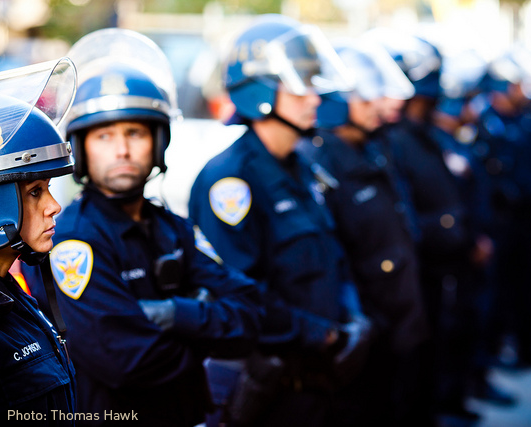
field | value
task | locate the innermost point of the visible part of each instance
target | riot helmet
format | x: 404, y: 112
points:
x: 278, y: 50
x: 513, y: 66
x: 375, y: 73
x: 33, y: 102
x: 461, y: 75
x: 419, y: 59
x: 123, y: 75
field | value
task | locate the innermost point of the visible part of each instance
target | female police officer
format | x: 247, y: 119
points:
x: 36, y: 375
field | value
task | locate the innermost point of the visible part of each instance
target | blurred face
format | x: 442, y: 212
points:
x: 392, y: 109
x: 39, y: 209
x: 299, y: 110
x: 119, y: 156
x: 366, y: 114
x: 517, y: 96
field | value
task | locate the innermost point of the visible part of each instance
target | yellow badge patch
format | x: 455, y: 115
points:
x: 71, y: 263
x: 204, y: 246
x: 230, y: 200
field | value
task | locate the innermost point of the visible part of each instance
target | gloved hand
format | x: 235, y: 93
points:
x: 160, y: 312
x: 349, y: 360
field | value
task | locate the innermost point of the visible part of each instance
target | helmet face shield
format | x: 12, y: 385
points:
x: 302, y: 60
x: 48, y: 86
x: 93, y: 53
x: 123, y: 76
x: 512, y: 67
x: 377, y: 74
x: 396, y: 85
x: 33, y: 102
x: 417, y: 58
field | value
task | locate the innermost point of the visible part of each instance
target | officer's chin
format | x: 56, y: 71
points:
x: 44, y: 246
x: 125, y: 183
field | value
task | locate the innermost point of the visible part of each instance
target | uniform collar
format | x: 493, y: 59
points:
x: 113, y: 212
x: 272, y: 170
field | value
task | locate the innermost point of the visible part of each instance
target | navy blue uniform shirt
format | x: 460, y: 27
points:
x: 372, y: 225
x: 103, y: 263
x: 268, y: 218
x: 37, y: 378
x: 441, y: 213
x: 502, y: 143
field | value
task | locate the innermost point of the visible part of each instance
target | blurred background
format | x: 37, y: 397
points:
x: 194, y: 34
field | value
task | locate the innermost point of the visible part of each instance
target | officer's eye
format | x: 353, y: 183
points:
x: 103, y: 135
x: 36, y: 191
x: 137, y: 133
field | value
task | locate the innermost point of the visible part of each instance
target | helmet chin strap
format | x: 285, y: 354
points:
x: 27, y: 254
x: 302, y: 132
x: 32, y: 258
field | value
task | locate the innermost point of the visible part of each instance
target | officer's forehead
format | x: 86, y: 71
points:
x: 127, y: 124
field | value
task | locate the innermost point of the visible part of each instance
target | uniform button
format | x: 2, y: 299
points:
x: 447, y: 221
x: 320, y: 187
x: 317, y: 141
x: 387, y: 265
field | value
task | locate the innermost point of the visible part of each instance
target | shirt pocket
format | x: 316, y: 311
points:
x: 32, y: 379
x: 299, y: 256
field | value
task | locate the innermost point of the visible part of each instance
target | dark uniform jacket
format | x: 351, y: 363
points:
x: 269, y: 219
x: 502, y: 143
x: 37, y: 378
x: 372, y: 225
x: 103, y: 263
x: 442, y: 216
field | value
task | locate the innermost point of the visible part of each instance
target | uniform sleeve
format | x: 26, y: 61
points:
x: 242, y: 244
x: 108, y: 334
x: 227, y: 325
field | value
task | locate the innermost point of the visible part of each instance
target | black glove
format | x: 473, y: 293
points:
x: 160, y: 312
x: 358, y: 336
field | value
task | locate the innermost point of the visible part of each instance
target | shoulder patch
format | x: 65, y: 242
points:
x: 204, y: 246
x: 230, y: 200
x: 71, y: 263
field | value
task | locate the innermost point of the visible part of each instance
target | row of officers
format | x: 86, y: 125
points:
x: 354, y: 258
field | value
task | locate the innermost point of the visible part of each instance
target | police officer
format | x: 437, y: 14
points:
x: 36, y: 374
x: 264, y: 210
x: 371, y: 224
x: 447, y: 242
x: 145, y: 295
x: 454, y: 132
x: 502, y: 143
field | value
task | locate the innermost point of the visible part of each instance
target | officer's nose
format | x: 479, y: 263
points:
x: 53, y: 208
x: 122, y: 145
x: 313, y: 98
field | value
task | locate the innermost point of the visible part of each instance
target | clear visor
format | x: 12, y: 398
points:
x: 49, y: 86
x: 303, y: 60
x: 522, y: 57
x: 396, y: 83
x: 461, y: 73
x: 417, y: 58
x: 376, y: 73
x: 506, y: 69
x: 116, y: 45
